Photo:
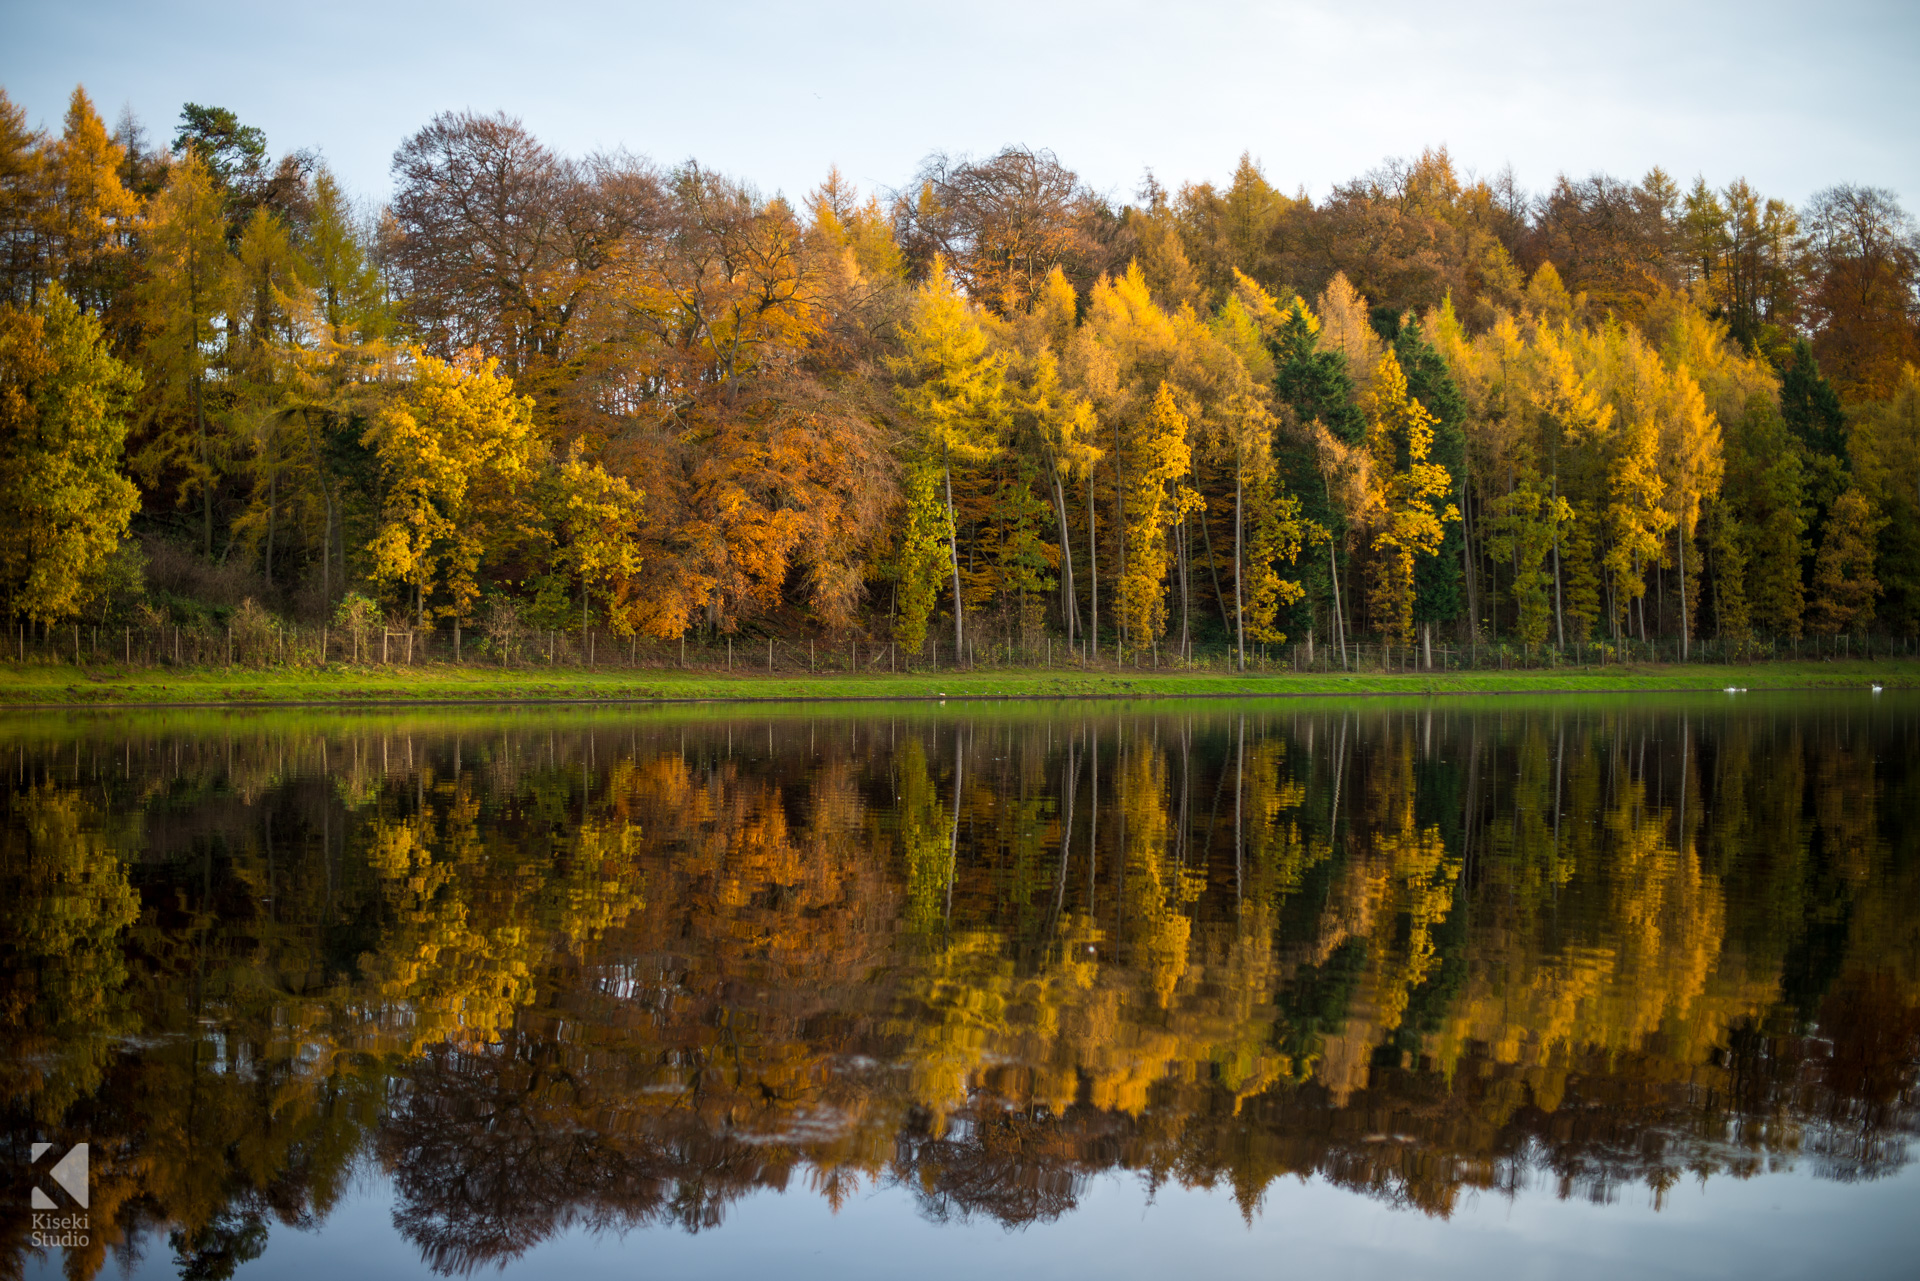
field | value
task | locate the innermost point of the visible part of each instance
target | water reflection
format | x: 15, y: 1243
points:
x: 614, y: 971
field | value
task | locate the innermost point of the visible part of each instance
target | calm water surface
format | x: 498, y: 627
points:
x: 1470, y: 987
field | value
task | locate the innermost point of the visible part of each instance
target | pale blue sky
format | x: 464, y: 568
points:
x: 1792, y: 96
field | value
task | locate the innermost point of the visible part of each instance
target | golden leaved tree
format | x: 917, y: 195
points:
x: 64, y: 404
x: 184, y: 291
x: 1154, y: 501
x: 1406, y: 514
x: 953, y: 387
x: 459, y: 458
x: 88, y: 217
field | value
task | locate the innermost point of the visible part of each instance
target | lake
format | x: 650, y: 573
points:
x: 1558, y: 986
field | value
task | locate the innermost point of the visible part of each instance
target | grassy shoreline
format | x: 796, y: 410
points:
x: 54, y: 685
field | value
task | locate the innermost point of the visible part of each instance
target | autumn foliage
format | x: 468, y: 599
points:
x: 985, y: 409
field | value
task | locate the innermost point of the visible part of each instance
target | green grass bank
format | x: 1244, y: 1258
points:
x: 53, y: 684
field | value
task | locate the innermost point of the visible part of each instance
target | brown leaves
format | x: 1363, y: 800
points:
x: 781, y: 490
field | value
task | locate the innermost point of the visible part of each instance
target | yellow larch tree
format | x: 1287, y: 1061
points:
x: 458, y: 456
x: 1408, y: 492
x: 1152, y: 503
x: 1059, y: 423
x: 64, y: 405
x: 953, y: 388
x: 185, y: 290
x: 274, y: 325
x: 1346, y: 326
x: 596, y: 518
x: 89, y: 214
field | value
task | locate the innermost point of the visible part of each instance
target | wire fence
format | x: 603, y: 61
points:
x: 265, y: 642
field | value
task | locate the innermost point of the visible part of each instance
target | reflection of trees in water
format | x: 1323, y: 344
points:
x: 1012, y: 1166
x: 494, y: 1149
x: 608, y: 978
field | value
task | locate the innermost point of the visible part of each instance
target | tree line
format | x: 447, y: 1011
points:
x: 530, y: 389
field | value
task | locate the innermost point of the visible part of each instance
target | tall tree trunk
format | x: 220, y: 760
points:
x: 1466, y: 557
x: 1120, y: 533
x: 273, y: 511
x: 1339, y: 614
x: 1239, y: 790
x: 326, y: 564
x: 1187, y: 592
x: 1093, y: 818
x: 1559, y: 614
x: 1239, y: 532
x: 953, y: 556
x: 953, y: 843
x: 1069, y: 601
x: 1641, y: 600
x: 1686, y: 628
x: 1493, y: 598
x: 206, y: 467
x: 1093, y: 570
x: 1213, y: 572
x: 200, y: 407
x: 1070, y: 786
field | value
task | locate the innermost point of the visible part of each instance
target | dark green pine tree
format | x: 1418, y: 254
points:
x: 1315, y: 384
x: 1810, y: 405
x: 231, y: 151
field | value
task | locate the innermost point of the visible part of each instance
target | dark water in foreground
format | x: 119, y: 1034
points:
x: 1470, y: 988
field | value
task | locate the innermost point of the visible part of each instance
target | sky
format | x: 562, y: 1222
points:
x: 1793, y: 97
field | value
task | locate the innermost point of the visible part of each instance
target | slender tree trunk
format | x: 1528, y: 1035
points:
x: 1093, y: 570
x: 1186, y: 593
x: 1070, y: 784
x: 326, y: 563
x: 206, y: 463
x: 200, y: 406
x: 1339, y: 614
x: 953, y: 556
x: 1120, y: 531
x: 1641, y: 600
x: 273, y: 511
x: 1093, y: 818
x: 1239, y: 789
x: 1686, y: 629
x: 1466, y: 557
x: 1493, y: 597
x: 1213, y: 572
x: 1613, y: 610
x: 1239, y: 532
x: 1660, y: 600
x: 1069, y: 600
x: 1559, y: 614
x: 953, y: 844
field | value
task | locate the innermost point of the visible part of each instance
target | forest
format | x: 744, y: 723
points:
x: 596, y: 394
